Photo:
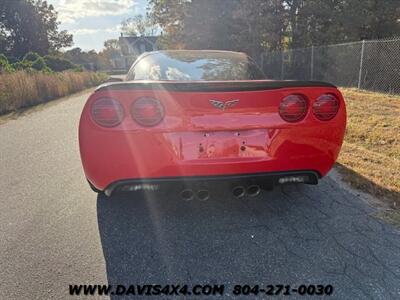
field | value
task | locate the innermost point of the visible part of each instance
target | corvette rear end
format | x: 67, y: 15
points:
x: 148, y: 134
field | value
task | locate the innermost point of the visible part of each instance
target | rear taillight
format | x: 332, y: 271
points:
x: 293, y: 108
x: 107, y: 112
x: 147, y: 111
x: 326, y: 107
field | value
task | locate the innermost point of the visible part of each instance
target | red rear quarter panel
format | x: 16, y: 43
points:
x: 171, y: 148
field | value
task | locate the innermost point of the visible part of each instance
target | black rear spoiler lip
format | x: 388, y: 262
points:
x: 211, y: 86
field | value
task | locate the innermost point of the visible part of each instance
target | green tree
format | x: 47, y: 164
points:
x: 137, y: 26
x: 169, y: 15
x: 240, y: 25
x: 30, y: 25
x: 111, y: 50
x: 320, y: 22
x: 371, y: 19
x: 255, y: 25
x: 112, y: 45
x: 259, y: 25
x: 91, y: 60
x: 209, y: 24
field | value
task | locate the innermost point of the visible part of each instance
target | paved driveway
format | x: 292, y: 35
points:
x: 293, y: 235
x: 54, y: 231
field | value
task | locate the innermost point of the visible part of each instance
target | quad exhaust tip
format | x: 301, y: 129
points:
x: 253, y: 190
x: 239, y: 191
x: 187, y: 194
x: 203, y: 195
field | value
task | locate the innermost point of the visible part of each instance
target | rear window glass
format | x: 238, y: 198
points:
x: 211, y: 66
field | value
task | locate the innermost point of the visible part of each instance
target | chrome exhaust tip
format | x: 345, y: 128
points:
x: 253, y: 190
x: 187, y: 194
x: 239, y: 191
x: 203, y: 195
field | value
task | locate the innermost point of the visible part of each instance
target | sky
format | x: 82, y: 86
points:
x: 93, y: 21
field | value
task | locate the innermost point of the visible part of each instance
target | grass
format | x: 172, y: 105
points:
x: 370, y: 156
x: 24, y: 89
x: 391, y: 216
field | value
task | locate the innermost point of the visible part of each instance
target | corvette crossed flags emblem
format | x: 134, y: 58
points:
x: 224, y: 105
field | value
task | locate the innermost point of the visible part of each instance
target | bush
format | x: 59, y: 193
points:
x: 5, y: 66
x: 78, y: 68
x: 33, y: 61
x: 31, y: 56
x: 12, y: 59
x: 22, y: 65
x: 40, y: 65
x: 58, y: 64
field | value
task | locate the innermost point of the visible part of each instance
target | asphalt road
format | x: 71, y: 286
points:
x: 54, y: 231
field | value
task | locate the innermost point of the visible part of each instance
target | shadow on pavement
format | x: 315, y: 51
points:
x: 292, y: 235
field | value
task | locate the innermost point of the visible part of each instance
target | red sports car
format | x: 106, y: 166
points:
x: 193, y: 117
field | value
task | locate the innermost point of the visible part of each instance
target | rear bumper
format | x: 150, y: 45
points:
x: 264, y: 180
x: 194, y: 142
x: 112, y: 157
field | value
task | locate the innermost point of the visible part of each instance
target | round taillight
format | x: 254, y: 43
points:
x: 326, y: 107
x: 293, y: 108
x: 107, y: 112
x: 147, y: 111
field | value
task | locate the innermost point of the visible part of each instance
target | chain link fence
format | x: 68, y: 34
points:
x: 371, y: 65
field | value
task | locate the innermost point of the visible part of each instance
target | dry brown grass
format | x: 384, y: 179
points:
x: 370, y: 156
x: 22, y: 89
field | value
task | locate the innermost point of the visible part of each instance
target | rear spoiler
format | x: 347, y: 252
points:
x: 210, y: 86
